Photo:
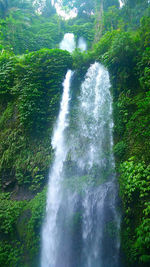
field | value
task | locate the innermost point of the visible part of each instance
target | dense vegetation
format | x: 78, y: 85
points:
x: 32, y: 69
x: 126, y: 54
x: 125, y: 51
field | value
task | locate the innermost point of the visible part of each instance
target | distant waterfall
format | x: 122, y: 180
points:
x: 81, y: 227
x: 52, y: 2
x: 121, y: 3
x: 68, y: 42
x: 82, y: 44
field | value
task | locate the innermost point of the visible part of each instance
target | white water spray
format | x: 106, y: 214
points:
x: 68, y: 42
x: 121, y: 3
x: 52, y: 2
x: 81, y: 227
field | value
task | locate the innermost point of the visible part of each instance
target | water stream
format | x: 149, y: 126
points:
x: 81, y: 228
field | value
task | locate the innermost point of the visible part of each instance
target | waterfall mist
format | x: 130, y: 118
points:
x: 82, y: 44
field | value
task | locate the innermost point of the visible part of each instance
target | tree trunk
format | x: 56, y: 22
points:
x: 99, y: 22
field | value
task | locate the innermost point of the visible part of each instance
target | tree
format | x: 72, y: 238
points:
x: 109, y: 3
x: 83, y: 6
x: 133, y: 3
x: 48, y: 9
x: 3, y: 7
x: 7, y: 5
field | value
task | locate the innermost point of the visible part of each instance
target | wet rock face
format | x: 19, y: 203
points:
x: 22, y: 193
x: 8, y: 181
x: 9, y: 184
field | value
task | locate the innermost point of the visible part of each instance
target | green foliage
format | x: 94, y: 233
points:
x: 144, y: 31
x: 81, y: 61
x: 30, y: 91
x: 20, y: 229
x: 134, y: 189
x: 126, y: 54
x: 6, y: 6
x: 7, y: 75
x: 104, y: 44
x: 112, y: 19
x: 22, y: 32
x: 85, y: 30
x: 6, y: 116
x: 121, y: 53
x: 34, y: 222
x: 82, y: 6
x: 31, y: 87
x: 138, y: 128
x: 122, y: 108
x: 119, y: 150
x: 9, y: 212
x: 43, y: 74
x: 39, y: 75
x: 10, y: 253
x: 133, y: 12
x: 143, y: 68
x: 135, y: 179
x: 142, y: 243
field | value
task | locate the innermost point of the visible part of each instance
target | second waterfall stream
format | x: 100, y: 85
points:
x: 81, y: 227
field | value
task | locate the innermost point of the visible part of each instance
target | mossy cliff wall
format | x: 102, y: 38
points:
x: 31, y: 87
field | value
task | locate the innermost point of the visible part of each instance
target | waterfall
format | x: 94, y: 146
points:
x: 50, y: 233
x: 52, y: 2
x: 81, y: 228
x: 121, y: 3
x: 82, y: 44
x: 68, y: 42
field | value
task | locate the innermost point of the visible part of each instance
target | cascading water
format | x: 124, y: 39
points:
x: 89, y: 176
x: 68, y: 42
x: 81, y: 227
x: 51, y: 233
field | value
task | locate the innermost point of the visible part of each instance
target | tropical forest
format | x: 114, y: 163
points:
x: 74, y: 133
